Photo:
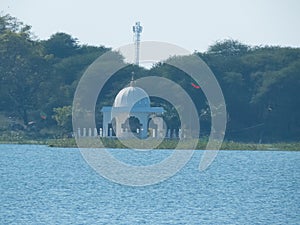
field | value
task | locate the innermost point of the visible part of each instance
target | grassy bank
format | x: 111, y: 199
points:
x: 171, y: 144
x: 166, y: 144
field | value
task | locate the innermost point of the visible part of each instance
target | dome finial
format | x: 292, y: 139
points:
x: 132, y: 82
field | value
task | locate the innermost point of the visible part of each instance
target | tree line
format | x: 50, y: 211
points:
x: 261, y: 85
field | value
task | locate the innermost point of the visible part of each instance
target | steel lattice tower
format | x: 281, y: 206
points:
x: 137, y: 30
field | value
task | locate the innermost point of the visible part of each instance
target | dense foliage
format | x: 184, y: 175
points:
x: 261, y: 85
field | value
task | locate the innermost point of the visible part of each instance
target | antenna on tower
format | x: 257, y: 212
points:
x: 137, y: 30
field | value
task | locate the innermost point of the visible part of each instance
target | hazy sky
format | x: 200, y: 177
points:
x: 191, y: 24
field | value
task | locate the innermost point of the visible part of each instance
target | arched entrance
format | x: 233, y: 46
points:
x: 132, y: 124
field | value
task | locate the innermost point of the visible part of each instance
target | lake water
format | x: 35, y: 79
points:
x: 42, y: 185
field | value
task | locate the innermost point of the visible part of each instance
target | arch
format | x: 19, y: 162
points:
x: 132, y: 124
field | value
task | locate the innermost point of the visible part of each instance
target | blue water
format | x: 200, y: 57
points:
x: 41, y: 185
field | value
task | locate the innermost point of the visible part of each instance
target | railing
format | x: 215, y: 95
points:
x: 152, y: 133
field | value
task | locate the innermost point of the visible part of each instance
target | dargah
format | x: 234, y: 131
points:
x: 131, y: 114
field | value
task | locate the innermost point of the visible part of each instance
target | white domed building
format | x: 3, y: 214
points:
x: 130, y: 114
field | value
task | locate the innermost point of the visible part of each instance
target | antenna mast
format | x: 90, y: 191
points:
x: 137, y: 30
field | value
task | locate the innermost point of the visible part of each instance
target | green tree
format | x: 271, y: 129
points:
x: 61, y: 45
x: 63, y: 117
x: 23, y: 68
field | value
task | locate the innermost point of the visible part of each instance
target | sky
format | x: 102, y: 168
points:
x: 191, y: 24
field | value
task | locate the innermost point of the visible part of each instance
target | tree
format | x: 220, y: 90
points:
x: 228, y: 48
x: 22, y: 67
x: 63, y: 117
x: 61, y: 45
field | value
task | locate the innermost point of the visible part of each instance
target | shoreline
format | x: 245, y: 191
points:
x: 166, y: 144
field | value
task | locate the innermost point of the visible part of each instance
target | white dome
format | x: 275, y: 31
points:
x: 132, y: 96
